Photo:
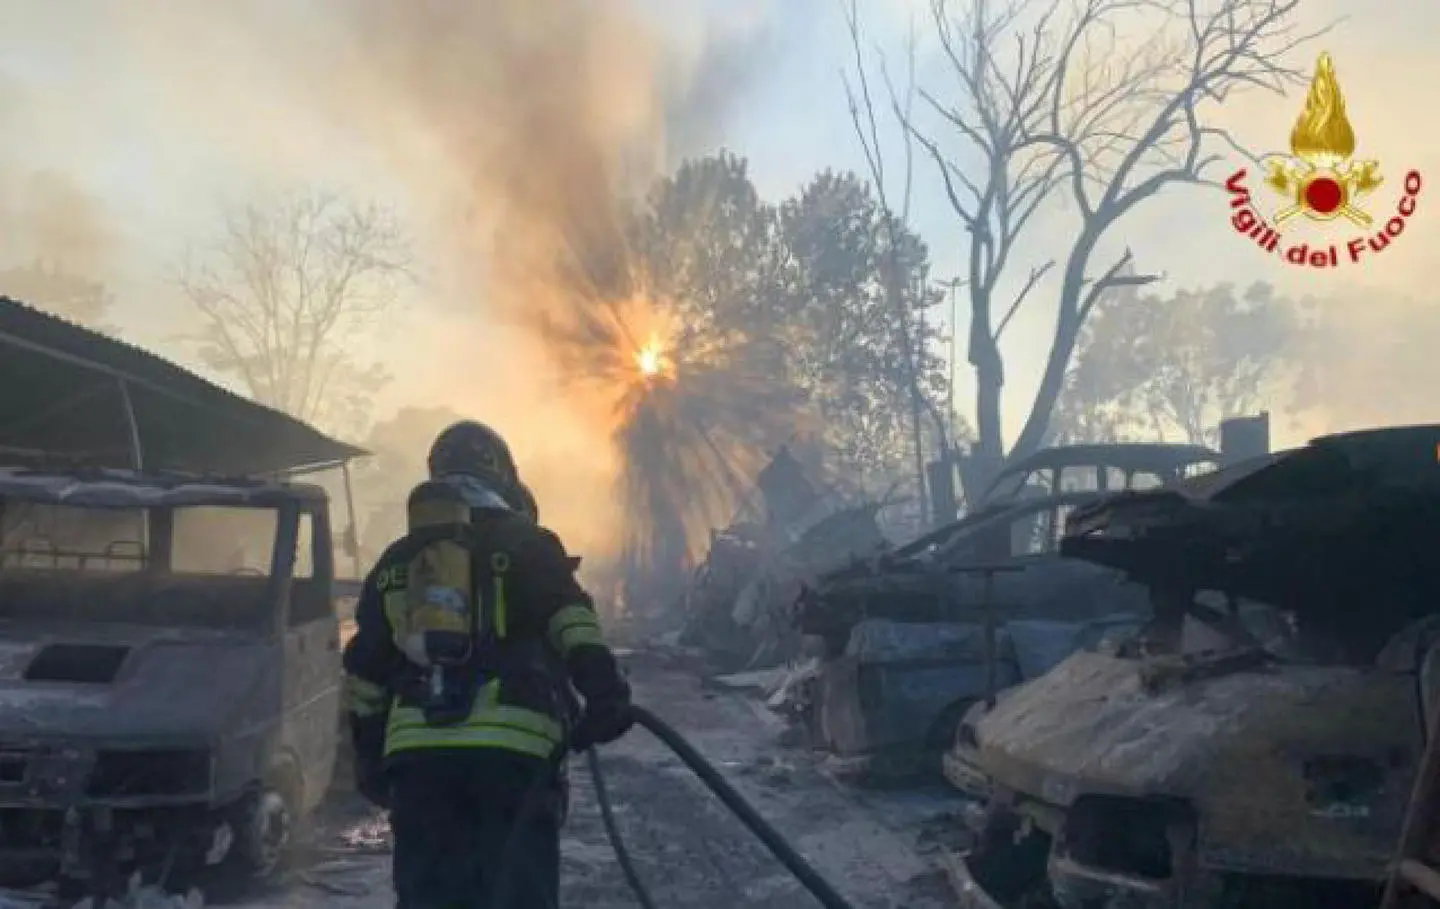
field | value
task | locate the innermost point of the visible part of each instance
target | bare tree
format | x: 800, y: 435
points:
x: 1100, y: 104
x: 284, y: 293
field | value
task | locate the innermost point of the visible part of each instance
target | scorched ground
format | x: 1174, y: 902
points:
x: 875, y: 847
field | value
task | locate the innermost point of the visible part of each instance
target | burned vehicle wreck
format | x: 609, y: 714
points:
x: 913, y: 638
x: 1254, y: 743
x: 738, y: 602
x: 169, y: 673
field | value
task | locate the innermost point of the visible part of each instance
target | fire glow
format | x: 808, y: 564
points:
x: 649, y: 359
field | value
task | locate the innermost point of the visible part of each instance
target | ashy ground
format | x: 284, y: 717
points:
x: 877, y: 848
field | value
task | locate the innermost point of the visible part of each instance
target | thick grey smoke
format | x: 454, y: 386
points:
x: 512, y: 133
x: 527, y: 131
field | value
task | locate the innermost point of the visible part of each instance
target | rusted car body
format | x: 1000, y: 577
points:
x: 1254, y: 744
x: 169, y: 671
x: 914, y: 638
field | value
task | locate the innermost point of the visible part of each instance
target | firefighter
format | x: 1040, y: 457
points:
x: 528, y: 506
x: 470, y: 629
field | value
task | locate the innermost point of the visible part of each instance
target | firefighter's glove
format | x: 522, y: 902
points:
x: 603, y: 722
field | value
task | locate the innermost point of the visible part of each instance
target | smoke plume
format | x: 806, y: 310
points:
x: 529, y: 131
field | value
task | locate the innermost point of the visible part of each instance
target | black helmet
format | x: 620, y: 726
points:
x: 475, y: 450
x: 527, y: 504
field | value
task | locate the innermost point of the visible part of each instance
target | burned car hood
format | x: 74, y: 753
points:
x: 1249, y: 749
x: 117, y: 682
x: 1113, y: 726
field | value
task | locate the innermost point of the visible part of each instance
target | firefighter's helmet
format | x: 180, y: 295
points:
x: 528, y: 505
x: 473, y: 449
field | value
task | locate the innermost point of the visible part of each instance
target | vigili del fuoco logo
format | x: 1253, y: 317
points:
x: 1322, y: 181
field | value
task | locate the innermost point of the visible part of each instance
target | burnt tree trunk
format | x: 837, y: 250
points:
x: 984, y: 355
x: 1067, y: 332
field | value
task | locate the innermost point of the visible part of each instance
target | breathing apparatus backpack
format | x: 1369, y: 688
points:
x: 444, y: 626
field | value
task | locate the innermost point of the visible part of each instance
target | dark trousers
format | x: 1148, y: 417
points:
x: 475, y: 829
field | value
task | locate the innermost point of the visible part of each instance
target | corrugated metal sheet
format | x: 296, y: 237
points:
x: 65, y: 392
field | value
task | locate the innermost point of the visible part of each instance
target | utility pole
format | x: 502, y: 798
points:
x: 953, y: 286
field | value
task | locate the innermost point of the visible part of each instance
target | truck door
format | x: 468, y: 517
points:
x: 312, y: 655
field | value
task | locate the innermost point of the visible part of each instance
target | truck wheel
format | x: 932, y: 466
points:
x: 261, y: 825
x: 262, y: 834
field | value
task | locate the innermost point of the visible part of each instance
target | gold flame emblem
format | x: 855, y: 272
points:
x: 1321, y: 180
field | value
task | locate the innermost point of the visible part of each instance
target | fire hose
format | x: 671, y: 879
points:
x: 785, y: 853
x: 803, y: 871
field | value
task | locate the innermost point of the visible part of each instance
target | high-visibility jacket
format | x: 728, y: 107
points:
x: 545, y: 630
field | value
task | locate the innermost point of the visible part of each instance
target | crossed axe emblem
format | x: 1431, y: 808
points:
x: 1323, y: 192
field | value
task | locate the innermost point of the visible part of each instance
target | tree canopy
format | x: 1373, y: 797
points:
x: 1171, y: 368
x: 848, y: 346
x: 801, y: 287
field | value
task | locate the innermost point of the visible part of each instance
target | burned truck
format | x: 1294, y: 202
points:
x: 169, y: 673
x: 1254, y: 743
x: 913, y: 638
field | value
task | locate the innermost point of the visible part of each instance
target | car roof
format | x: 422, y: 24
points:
x: 1130, y: 455
x: 122, y: 489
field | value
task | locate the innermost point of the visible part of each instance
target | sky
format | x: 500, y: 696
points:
x: 1383, y: 59
x: 158, y: 114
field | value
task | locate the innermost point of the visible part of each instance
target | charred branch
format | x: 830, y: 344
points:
x: 1099, y: 105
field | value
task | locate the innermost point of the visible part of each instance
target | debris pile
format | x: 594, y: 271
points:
x: 739, y: 607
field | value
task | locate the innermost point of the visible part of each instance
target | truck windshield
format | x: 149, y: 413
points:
x: 211, y: 540
x: 187, y: 567
x: 205, y: 539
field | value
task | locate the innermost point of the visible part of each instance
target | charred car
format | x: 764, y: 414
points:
x: 1252, y: 744
x: 169, y: 672
x: 1099, y: 468
x: 915, y: 637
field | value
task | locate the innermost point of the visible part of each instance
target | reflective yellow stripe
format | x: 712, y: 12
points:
x: 574, y: 626
x: 363, y: 698
x: 499, y: 564
x: 457, y: 737
x: 501, y: 617
x: 490, y: 725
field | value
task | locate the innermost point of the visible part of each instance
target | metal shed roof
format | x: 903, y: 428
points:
x: 71, y: 394
x: 127, y: 489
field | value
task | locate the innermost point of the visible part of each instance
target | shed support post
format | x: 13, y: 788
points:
x: 137, y: 459
x: 137, y: 450
x: 352, y: 533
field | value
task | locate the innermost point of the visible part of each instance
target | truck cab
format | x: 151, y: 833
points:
x: 169, y: 671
